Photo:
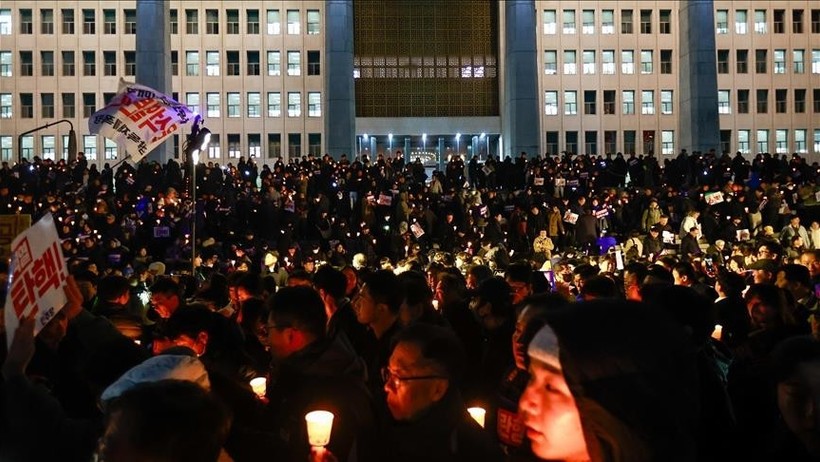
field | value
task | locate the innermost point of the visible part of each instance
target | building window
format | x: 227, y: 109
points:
x: 47, y: 146
x: 68, y: 63
x: 552, y: 143
x: 294, y: 104
x: 68, y: 21
x: 722, y: 19
x: 760, y: 21
x: 213, y: 105
x: 89, y: 22
x: 107, y: 97
x: 666, y: 61
x: 760, y: 61
x: 588, y: 22
x: 569, y: 22
x: 665, y: 21
x: 69, y: 111
x: 274, y: 104
x: 741, y: 22
x: 6, y: 64
x: 234, y: 145
x: 646, y: 61
x: 723, y: 61
x: 253, y: 21
x: 608, y: 62
x: 315, y: 144
x: 133, y: 57
x: 294, y: 144
x: 232, y: 20
x: 192, y: 22
x: 110, y: 149
x: 5, y: 21
x: 628, y: 100
x: 89, y: 104
x: 589, y: 62
x: 90, y: 147
x: 800, y: 141
x: 274, y: 145
x: 590, y: 101
x: 550, y: 62
x: 667, y: 142
x: 798, y: 57
x: 89, y: 63
x: 46, y: 21
x: 109, y: 22
x: 571, y: 142
x: 610, y: 141
x: 815, y: 61
x: 253, y: 62
x: 109, y: 63
x: 591, y: 143
x: 816, y: 101
x: 214, y: 147
x: 174, y: 21
x: 778, y: 20
x: 609, y: 102
x: 570, y: 102
x: 192, y: 63
x: 274, y: 22
x: 551, y: 103
x: 815, y: 25
x: 294, y: 63
x: 799, y: 100
x: 314, y: 62
x: 233, y: 62
x: 817, y: 140
x: 254, y: 105
x: 254, y: 145
x: 743, y: 101
x: 666, y: 102
x: 608, y: 22
x: 5, y: 106
x: 797, y: 21
x: 762, y: 101
x: 212, y: 22
x: 779, y: 61
x: 743, y: 141
x: 647, y: 102
x: 234, y: 107
x: 192, y: 101
x: 294, y: 22
x: 314, y: 25
x: 274, y: 63
x: 626, y: 21
x: 781, y: 141
x: 629, y: 141
x: 47, y: 63
x: 780, y: 103
x: 314, y: 104
x: 742, y: 61
x: 649, y: 142
x: 627, y: 62
x: 550, y: 22
x: 27, y: 146
x: 26, y: 64
x: 646, y: 21
x: 724, y: 105
x: 26, y: 22
x: 130, y: 22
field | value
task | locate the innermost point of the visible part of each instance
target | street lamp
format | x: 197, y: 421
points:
x: 72, y: 139
x: 390, y: 139
x: 197, y: 142
x: 458, y: 143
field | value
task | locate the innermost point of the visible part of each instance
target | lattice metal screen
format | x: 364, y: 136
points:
x: 426, y: 58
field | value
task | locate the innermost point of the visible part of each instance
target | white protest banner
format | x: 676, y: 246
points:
x: 713, y: 198
x: 538, y: 181
x: 38, y: 272
x: 668, y: 237
x: 139, y: 119
x: 417, y: 230
x: 603, y: 213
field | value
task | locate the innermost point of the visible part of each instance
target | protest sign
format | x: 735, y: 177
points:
x: 384, y: 199
x: 139, y: 119
x: 570, y: 217
x: 743, y: 235
x: 38, y: 272
x: 417, y: 230
x: 538, y: 181
x: 713, y: 198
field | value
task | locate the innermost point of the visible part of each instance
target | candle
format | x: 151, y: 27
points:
x: 478, y: 414
x: 319, y: 424
x: 435, y: 304
x: 717, y: 334
x: 259, y: 386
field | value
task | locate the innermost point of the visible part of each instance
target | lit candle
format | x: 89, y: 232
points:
x: 319, y: 425
x: 717, y: 334
x: 435, y: 304
x: 259, y: 386
x: 478, y: 414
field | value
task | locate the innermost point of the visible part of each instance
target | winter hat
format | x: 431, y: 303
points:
x: 544, y: 347
x: 162, y: 367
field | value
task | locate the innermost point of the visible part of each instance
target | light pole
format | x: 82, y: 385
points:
x: 72, y: 139
x: 197, y: 142
x: 458, y: 144
x: 390, y: 140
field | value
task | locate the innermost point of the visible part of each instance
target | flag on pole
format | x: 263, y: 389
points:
x: 139, y: 119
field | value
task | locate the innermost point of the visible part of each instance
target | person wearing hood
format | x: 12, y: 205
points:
x: 311, y: 371
x: 621, y: 388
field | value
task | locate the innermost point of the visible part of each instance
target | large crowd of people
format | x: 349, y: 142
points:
x: 603, y: 308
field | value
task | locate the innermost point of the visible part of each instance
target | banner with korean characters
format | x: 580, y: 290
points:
x: 37, y: 276
x: 139, y: 119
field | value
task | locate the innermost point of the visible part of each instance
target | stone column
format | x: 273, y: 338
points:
x: 154, y: 60
x: 519, y: 107
x: 699, y: 124
x: 340, y: 95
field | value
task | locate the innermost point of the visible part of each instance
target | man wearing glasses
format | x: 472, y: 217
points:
x: 429, y: 418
